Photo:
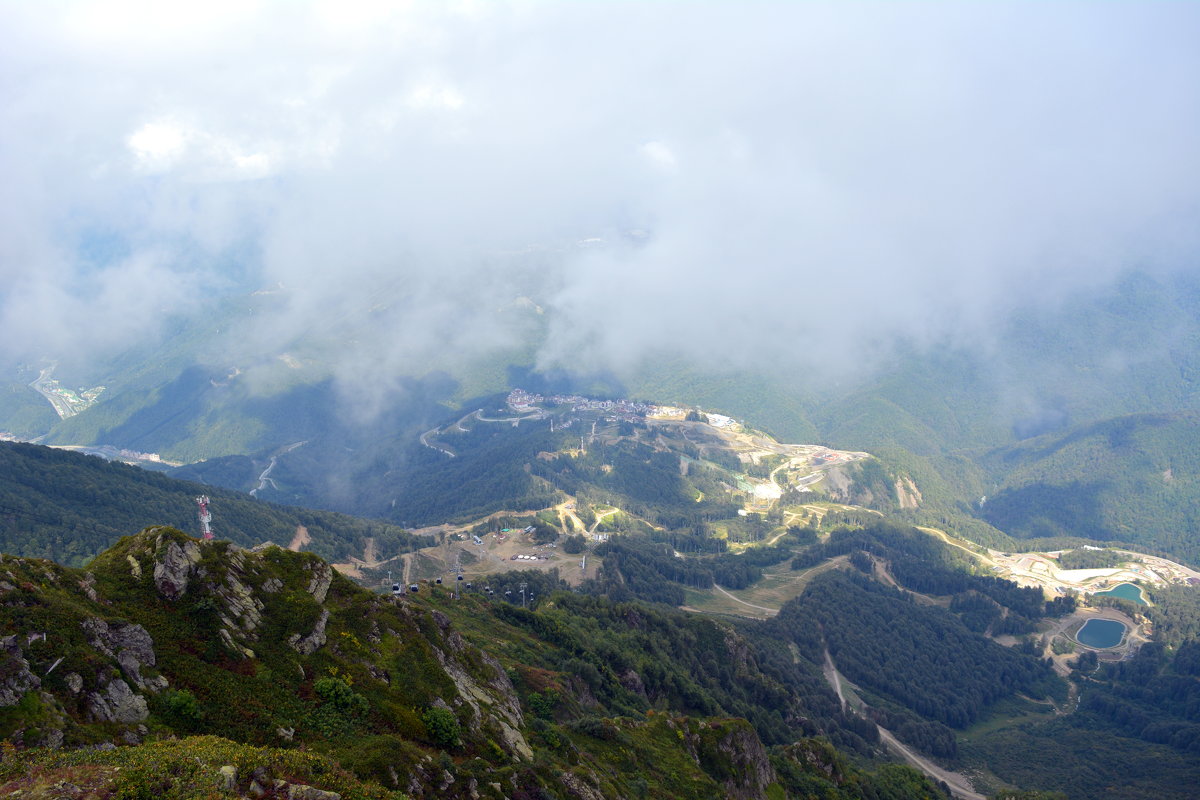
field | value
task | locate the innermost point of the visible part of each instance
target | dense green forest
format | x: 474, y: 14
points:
x: 24, y: 412
x: 922, y: 657
x: 1134, y: 480
x: 67, y: 507
x: 488, y: 474
x: 1135, y: 732
x: 1091, y: 559
x: 927, y: 565
x: 640, y: 567
x: 930, y: 673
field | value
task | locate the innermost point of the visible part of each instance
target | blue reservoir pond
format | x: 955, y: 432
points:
x: 1101, y: 633
x: 1125, y: 591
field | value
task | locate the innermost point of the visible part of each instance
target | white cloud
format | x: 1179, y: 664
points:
x: 660, y: 156
x: 436, y: 97
x: 157, y: 145
x: 813, y: 179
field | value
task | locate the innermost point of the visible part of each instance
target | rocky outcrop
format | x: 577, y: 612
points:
x: 579, y: 788
x: 120, y: 637
x: 907, y: 493
x: 730, y: 752
x: 241, y: 612
x: 88, y: 586
x: 818, y: 757
x: 494, y: 696
x: 301, y: 791
x: 117, y: 703
x: 748, y: 762
x: 502, y: 701
x: 177, y: 568
x: 15, y: 677
x: 322, y: 577
x: 129, y: 644
x: 739, y: 652
x: 633, y: 682
x: 174, y: 564
x: 307, y: 645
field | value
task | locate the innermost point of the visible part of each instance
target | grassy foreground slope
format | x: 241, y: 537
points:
x: 166, y: 636
x: 182, y: 769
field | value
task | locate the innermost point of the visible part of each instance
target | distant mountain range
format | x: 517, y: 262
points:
x: 938, y: 415
x: 1133, y: 479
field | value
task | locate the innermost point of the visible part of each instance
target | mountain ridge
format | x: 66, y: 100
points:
x: 164, y: 634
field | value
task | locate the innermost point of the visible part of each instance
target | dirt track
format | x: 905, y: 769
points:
x: 300, y: 539
x: 743, y: 602
x: 959, y: 786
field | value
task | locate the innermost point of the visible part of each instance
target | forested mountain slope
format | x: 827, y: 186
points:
x: 1134, y: 479
x: 68, y: 507
x: 1131, y: 348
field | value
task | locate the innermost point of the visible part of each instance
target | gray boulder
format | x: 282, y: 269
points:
x: 117, y: 703
x: 173, y: 565
x: 15, y: 677
x: 307, y: 645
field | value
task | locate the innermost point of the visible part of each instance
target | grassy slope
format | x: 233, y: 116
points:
x: 181, y: 769
x: 400, y: 659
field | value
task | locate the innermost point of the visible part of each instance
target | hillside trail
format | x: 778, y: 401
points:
x: 743, y: 602
x: 960, y: 787
x: 801, y: 579
x: 300, y: 539
x: 776, y: 538
x: 940, y: 534
x: 600, y: 518
x: 831, y: 675
x: 424, y: 438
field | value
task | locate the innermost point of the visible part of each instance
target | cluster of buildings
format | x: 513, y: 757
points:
x: 524, y: 402
x: 66, y: 402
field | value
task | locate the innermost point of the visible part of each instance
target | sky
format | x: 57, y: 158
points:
x: 771, y: 185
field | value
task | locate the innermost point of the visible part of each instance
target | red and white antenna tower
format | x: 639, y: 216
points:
x: 205, y: 516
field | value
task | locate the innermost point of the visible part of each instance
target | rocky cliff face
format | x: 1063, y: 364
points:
x: 166, y: 633
x: 731, y: 752
x: 15, y: 677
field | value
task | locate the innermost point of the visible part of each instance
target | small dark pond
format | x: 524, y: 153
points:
x: 1101, y: 633
x: 1125, y: 591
